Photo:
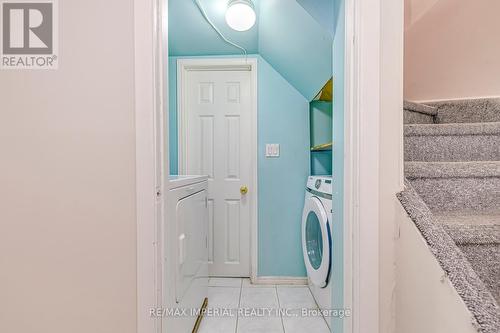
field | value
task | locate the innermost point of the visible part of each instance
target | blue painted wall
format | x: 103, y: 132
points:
x: 296, y: 45
x: 283, y: 117
x: 338, y: 163
x: 191, y: 35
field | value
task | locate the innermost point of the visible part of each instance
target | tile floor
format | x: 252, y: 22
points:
x: 251, y: 308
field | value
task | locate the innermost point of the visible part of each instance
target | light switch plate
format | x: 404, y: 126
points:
x: 272, y: 150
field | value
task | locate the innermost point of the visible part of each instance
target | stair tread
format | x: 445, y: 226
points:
x: 469, y: 169
x: 466, y: 234
x: 473, y: 217
x: 452, y: 129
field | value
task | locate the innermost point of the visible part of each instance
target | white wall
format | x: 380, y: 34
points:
x: 426, y: 301
x: 67, y: 180
x: 452, y: 49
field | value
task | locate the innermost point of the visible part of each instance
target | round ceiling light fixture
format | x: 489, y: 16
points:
x: 240, y: 14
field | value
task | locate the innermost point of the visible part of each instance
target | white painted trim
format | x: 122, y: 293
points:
x: 454, y: 99
x: 224, y: 64
x: 361, y: 165
x: 254, y: 224
x: 350, y: 156
x: 280, y: 280
x: 150, y: 35
x: 145, y: 161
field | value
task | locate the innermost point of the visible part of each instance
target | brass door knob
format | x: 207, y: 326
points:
x: 243, y: 190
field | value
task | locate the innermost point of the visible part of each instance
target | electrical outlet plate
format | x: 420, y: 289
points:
x: 272, y: 150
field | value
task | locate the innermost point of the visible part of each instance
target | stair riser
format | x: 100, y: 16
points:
x: 485, y: 260
x: 452, y: 148
x: 452, y: 194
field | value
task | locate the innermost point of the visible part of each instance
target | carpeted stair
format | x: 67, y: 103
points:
x: 452, y: 154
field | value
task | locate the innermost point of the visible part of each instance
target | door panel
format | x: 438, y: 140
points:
x: 207, y: 146
x: 232, y: 221
x: 210, y: 231
x: 217, y: 143
x: 232, y: 147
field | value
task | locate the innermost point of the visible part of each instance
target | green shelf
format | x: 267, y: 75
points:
x: 323, y: 147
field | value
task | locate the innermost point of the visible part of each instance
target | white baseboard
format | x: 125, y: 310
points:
x: 288, y: 280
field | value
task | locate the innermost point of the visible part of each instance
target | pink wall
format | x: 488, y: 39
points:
x: 67, y: 180
x: 415, y: 9
x: 452, y: 49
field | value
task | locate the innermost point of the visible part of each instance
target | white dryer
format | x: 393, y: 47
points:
x: 317, y: 241
x: 186, y: 251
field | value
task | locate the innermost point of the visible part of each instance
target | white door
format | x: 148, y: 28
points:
x: 217, y: 135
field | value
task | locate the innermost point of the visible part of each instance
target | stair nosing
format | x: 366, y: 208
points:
x: 420, y: 108
x: 465, y: 169
x: 452, y: 129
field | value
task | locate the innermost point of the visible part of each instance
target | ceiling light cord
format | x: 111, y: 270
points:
x: 200, y: 7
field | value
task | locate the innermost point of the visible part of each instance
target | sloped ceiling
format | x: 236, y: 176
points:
x: 285, y: 35
x: 295, y: 45
x: 322, y: 11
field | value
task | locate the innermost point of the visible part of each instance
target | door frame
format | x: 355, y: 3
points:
x: 152, y: 167
x: 224, y: 64
x: 151, y: 108
x: 373, y: 93
x: 361, y: 165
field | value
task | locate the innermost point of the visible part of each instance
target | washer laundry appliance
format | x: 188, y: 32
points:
x: 317, y: 238
x: 186, y: 251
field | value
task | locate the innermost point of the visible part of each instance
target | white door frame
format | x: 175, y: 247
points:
x: 361, y: 165
x: 362, y: 85
x: 361, y: 194
x: 363, y: 100
x: 366, y: 40
x: 151, y: 125
x: 224, y: 64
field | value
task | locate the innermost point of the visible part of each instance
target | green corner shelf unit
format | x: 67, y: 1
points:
x: 321, y: 127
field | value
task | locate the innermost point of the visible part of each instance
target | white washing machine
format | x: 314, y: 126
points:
x: 317, y: 240
x: 186, y: 251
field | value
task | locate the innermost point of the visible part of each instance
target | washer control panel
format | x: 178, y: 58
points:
x: 322, y: 184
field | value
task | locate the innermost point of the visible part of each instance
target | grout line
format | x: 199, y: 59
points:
x: 279, y: 307
x: 239, y: 304
x: 312, y: 296
x: 317, y: 306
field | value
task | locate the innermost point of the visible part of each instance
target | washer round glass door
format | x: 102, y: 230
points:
x: 316, y: 242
